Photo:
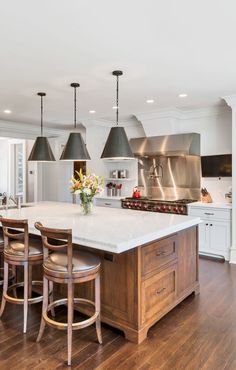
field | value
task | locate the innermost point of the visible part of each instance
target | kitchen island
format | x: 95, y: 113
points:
x: 149, y: 260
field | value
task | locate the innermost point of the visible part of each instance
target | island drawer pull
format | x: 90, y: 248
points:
x: 163, y: 253
x: 209, y: 214
x: 107, y: 204
x: 161, y: 290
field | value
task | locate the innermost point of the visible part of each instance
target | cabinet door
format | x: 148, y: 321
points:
x: 219, y: 234
x: 204, y: 236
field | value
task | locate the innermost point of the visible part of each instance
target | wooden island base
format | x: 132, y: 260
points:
x: 140, y: 286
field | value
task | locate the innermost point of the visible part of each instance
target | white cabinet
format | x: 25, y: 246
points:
x: 215, y: 229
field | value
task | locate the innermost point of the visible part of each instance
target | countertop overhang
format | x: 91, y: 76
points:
x: 112, y: 230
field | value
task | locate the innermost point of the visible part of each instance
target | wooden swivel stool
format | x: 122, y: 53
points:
x: 19, y: 250
x: 67, y: 266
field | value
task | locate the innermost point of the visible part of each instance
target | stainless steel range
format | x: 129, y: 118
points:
x: 155, y: 205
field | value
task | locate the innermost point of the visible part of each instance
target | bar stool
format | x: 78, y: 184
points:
x: 20, y: 250
x: 12, y: 272
x: 67, y: 266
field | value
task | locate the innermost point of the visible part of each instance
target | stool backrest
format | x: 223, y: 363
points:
x: 56, y: 240
x: 14, y: 229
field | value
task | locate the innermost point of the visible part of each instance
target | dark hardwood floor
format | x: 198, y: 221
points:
x: 200, y: 333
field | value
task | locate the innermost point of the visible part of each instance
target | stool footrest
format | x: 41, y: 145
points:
x: 21, y: 300
x: 75, y: 325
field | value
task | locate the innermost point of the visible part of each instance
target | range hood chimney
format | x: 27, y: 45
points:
x: 168, y: 145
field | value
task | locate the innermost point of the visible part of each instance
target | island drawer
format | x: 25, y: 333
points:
x: 109, y: 203
x: 156, y: 255
x: 158, y: 292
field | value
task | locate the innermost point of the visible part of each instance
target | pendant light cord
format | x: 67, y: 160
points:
x: 41, y: 115
x: 75, y: 107
x: 117, y: 100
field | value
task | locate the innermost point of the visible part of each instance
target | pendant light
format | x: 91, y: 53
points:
x: 75, y: 149
x: 117, y: 144
x: 41, y: 151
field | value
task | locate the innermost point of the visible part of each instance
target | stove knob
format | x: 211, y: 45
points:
x: 145, y: 206
x: 181, y: 210
x: 163, y: 208
x: 175, y: 209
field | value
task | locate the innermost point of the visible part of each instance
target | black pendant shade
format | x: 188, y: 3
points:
x: 75, y: 149
x: 41, y: 151
x: 117, y: 144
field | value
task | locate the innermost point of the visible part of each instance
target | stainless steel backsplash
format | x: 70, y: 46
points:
x: 170, y: 177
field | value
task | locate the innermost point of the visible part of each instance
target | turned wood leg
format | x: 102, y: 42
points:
x: 70, y: 308
x: 44, y: 309
x: 98, y: 308
x: 26, y: 287
x: 51, y: 297
x: 5, y: 286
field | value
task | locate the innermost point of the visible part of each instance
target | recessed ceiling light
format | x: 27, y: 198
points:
x: 7, y: 111
x: 92, y: 111
x: 115, y: 107
x: 183, y: 95
x: 150, y: 101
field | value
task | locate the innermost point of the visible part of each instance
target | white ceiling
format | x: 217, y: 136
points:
x: 164, y: 48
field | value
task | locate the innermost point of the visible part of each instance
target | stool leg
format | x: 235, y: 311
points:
x: 14, y: 281
x: 51, y: 297
x: 44, y: 309
x: 98, y: 308
x: 5, y: 286
x: 70, y: 313
x: 26, y: 288
x: 30, y: 281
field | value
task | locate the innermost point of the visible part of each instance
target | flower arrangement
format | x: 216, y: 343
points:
x: 86, y: 186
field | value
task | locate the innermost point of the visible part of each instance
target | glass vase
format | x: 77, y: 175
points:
x: 86, y: 206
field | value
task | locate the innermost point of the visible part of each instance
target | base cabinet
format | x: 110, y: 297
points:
x: 214, y: 231
x: 140, y: 286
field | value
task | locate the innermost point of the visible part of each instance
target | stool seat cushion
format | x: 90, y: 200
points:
x: 82, y: 261
x: 17, y: 248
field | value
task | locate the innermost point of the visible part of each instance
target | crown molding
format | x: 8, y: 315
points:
x: 230, y: 100
x: 183, y: 114
x: 27, y: 131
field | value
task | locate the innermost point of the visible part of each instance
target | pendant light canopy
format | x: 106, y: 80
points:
x: 75, y: 149
x: 41, y: 151
x: 117, y: 144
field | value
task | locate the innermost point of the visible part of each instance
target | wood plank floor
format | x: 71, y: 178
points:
x: 198, y: 334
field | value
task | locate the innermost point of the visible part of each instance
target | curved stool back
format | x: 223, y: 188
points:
x: 19, y: 250
x: 67, y: 266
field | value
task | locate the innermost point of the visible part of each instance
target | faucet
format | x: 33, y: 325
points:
x: 16, y: 201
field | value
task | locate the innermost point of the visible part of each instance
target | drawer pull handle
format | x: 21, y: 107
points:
x: 107, y: 204
x: 209, y: 214
x: 163, y: 254
x: 161, y: 290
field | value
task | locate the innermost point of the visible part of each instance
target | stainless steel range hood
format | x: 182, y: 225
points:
x: 168, y: 145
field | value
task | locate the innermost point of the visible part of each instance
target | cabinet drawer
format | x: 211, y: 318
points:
x: 158, y: 254
x: 210, y: 213
x: 158, y: 292
x: 112, y: 203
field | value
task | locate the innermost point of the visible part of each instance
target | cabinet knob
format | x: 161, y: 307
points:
x: 206, y: 224
x: 211, y: 225
x: 161, y: 290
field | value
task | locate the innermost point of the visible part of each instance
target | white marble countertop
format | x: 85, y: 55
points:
x: 211, y: 205
x: 113, y: 230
